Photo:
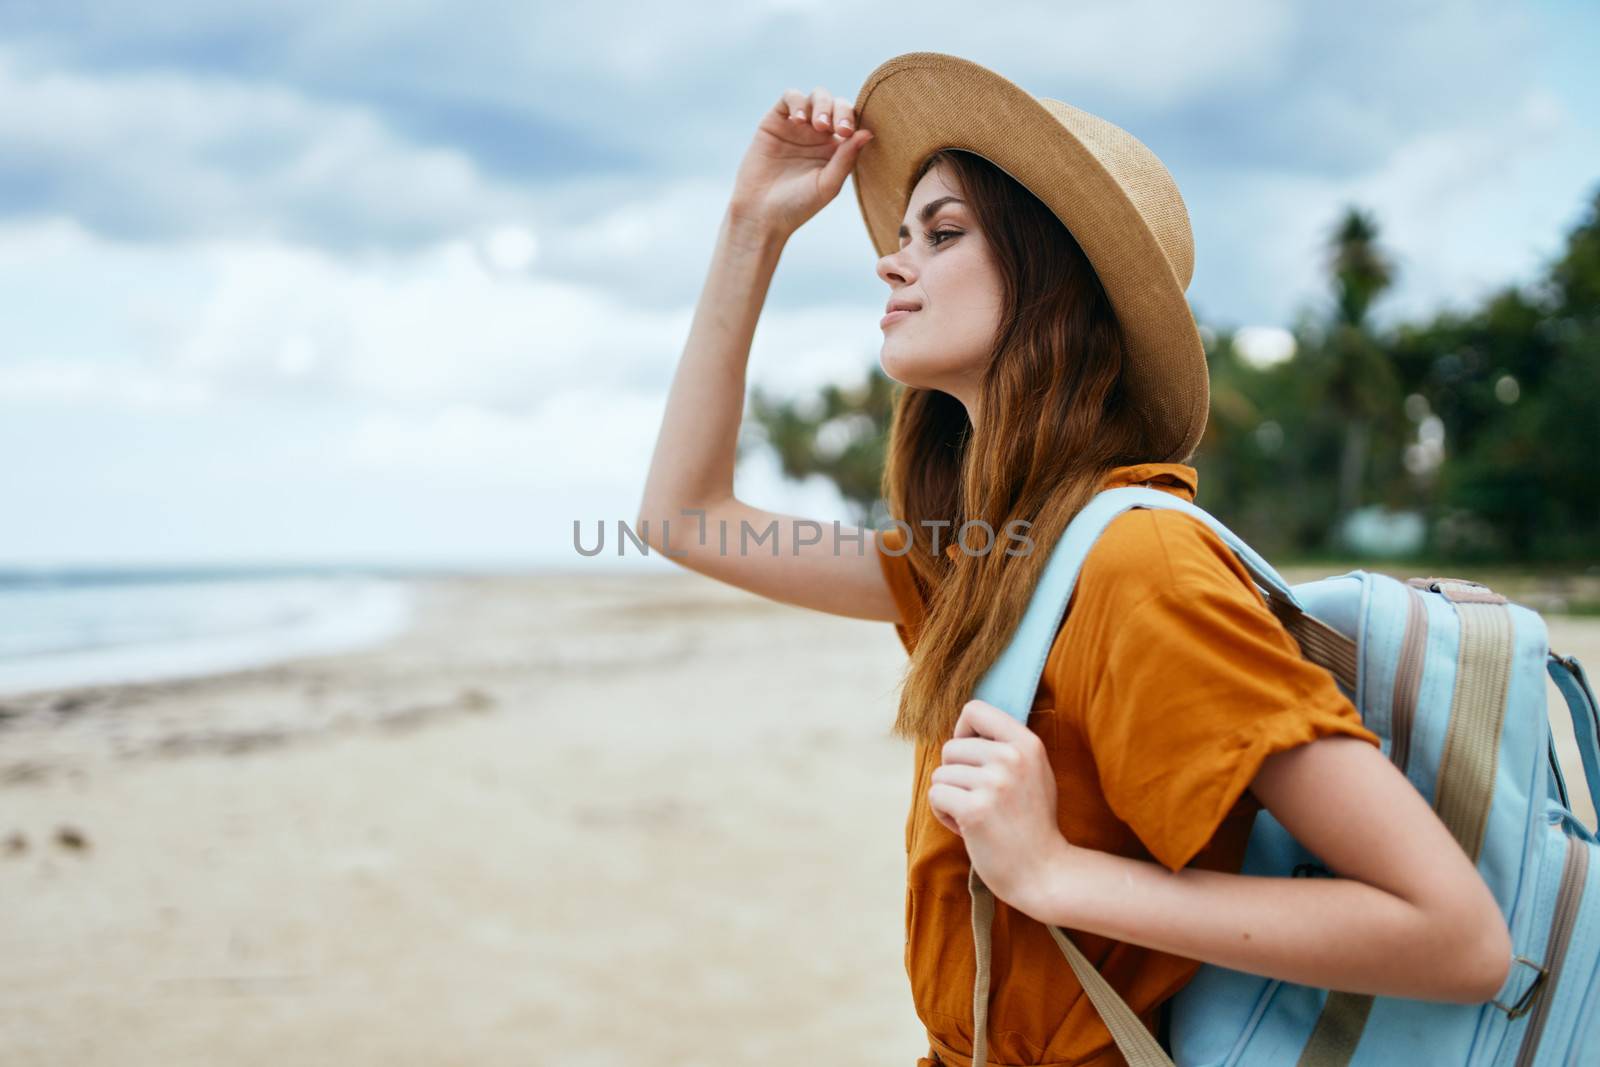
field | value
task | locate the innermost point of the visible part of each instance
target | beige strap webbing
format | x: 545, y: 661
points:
x: 982, y: 921
x: 1466, y: 778
x: 1137, y: 1044
x: 1319, y: 642
x: 1477, y: 713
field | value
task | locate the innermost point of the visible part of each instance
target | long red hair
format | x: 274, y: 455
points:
x: 1055, y: 420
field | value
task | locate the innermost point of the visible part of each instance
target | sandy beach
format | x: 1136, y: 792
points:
x: 598, y: 821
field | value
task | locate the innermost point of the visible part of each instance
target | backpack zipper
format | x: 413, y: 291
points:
x: 1573, y: 872
x: 1408, y: 679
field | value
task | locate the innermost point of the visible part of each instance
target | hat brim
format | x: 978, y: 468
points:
x: 920, y: 102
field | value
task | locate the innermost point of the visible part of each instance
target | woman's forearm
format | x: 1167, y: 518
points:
x: 1332, y: 933
x: 695, y: 449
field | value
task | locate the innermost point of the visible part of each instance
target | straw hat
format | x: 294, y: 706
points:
x: 1107, y: 188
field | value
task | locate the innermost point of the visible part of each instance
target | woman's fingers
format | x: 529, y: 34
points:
x: 793, y: 105
x: 964, y: 775
x: 821, y: 109
x: 843, y: 158
x: 946, y: 821
x: 980, y: 750
x: 818, y: 110
x: 947, y: 800
x: 844, y: 119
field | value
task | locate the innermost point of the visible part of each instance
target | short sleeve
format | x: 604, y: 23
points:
x: 902, y: 584
x: 1201, y: 683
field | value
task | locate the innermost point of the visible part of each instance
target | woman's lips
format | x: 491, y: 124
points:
x: 895, y: 316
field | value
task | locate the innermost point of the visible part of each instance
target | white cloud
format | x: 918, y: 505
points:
x: 1460, y: 205
x: 87, y: 384
x: 163, y: 154
x: 436, y: 326
x: 431, y: 374
x: 1461, y: 210
x: 426, y: 329
x: 578, y: 437
x: 1263, y: 346
x: 511, y: 248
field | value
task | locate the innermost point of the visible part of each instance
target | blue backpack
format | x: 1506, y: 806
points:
x: 1451, y: 677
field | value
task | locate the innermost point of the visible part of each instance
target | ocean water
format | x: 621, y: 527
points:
x: 62, y: 628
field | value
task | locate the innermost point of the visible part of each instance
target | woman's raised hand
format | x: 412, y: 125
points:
x: 798, y: 160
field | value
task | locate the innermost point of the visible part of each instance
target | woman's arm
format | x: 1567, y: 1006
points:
x: 1408, y: 915
x: 793, y: 168
x: 694, y: 454
x: 690, y: 483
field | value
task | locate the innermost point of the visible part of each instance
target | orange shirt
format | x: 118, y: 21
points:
x: 1168, y: 684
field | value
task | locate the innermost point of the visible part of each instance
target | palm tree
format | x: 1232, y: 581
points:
x: 840, y: 433
x: 1362, y: 384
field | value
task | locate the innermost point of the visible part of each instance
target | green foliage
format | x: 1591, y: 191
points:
x: 1516, y: 384
x: 840, y: 433
x: 1485, y: 423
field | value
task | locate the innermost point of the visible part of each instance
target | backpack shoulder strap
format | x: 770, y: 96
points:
x: 1569, y: 676
x: 1013, y: 680
x: 1011, y: 683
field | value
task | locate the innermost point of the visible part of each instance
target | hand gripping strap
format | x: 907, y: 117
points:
x: 1013, y: 679
x: 1011, y: 683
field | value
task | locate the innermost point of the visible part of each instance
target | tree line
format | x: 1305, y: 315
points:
x: 1475, y: 433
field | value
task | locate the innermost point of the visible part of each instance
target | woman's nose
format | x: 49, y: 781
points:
x: 892, y: 267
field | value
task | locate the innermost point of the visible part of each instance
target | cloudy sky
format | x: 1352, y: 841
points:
x: 407, y: 282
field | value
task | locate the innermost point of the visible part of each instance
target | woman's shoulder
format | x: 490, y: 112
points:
x: 1146, y: 551
x: 1149, y: 569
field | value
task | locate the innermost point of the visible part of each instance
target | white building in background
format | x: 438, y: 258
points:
x: 1376, y: 531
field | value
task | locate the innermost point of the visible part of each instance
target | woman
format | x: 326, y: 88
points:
x: 1037, y: 321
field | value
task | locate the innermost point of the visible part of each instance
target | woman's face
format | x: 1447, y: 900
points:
x: 946, y: 269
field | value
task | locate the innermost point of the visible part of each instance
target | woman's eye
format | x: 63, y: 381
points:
x: 933, y: 237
